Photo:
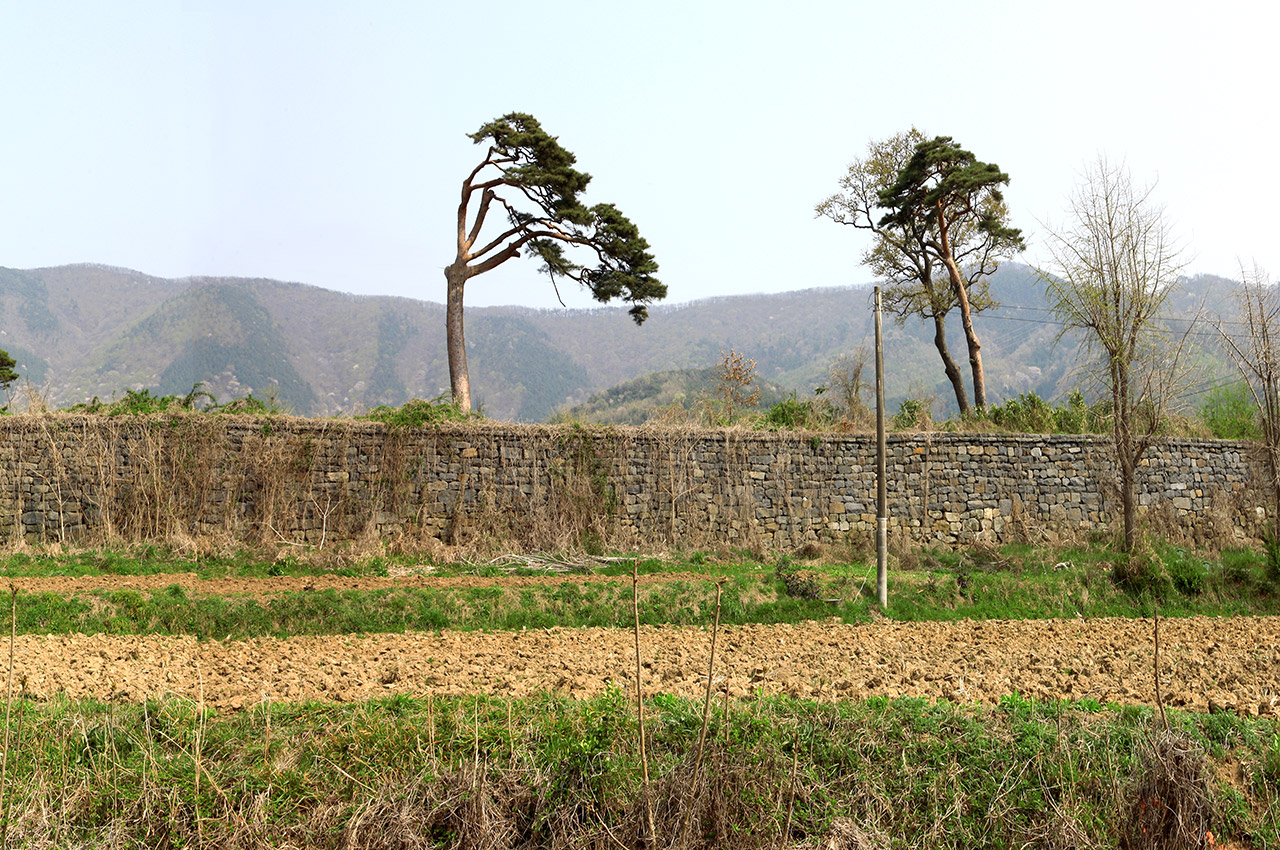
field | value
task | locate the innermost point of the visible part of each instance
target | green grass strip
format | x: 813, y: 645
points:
x: 550, y: 771
x: 1007, y: 584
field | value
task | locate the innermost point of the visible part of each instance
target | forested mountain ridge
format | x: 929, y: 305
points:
x: 87, y: 330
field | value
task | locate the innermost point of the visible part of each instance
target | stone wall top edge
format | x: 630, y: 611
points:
x: 280, y: 423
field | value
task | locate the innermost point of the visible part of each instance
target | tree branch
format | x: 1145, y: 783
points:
x: 524, y: 226
x: 513, y: 249
x: 485, y: 200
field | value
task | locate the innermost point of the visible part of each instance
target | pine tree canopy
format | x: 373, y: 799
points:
x: 7, y: 373
x: 533, y: 178
x: 943, y: 179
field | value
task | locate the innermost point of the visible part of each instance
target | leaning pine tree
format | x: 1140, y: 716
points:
x: 954, y: 203
x: 530, y: 178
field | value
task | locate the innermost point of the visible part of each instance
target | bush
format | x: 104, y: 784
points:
x: 1169, y: 800
x: 798, y: 584
x: 793, y: 414
x: 1187, y: 573
x: 1028, y: 413
x: 1272, y: 546
x: 913, y: 414
x: 1142, y: 573
x: 198, y: 399
x: 250, y: 404
x: 142, y: 402
x: 1230, y: 414
x: 418, y: 412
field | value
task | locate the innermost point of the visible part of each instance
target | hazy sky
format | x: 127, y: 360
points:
x: 324, y: 142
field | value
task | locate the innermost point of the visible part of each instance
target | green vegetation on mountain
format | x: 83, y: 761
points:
x: 521, y: 368
x: 219, y: 335
x: 678, y: 394
x: 385, y: 385
x: 32, y: 298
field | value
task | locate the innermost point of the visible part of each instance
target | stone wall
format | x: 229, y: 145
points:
x: 317, y: 482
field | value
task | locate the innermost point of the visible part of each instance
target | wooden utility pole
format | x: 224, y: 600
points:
x: 882, y: 487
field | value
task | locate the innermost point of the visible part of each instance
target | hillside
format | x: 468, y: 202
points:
x: 86, y: 330
x: 687, y: 392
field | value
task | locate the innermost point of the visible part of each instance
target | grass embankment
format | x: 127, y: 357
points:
x: 1014, y: 582
x: 547, y: 772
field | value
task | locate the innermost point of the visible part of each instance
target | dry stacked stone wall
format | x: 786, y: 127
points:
x: 320, y: 482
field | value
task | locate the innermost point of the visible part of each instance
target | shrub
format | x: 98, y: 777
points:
x: 792, y: 413
x: 250, y: 404
x: 1272, y: 546
x: 1230, y: 414
x: 913, y: 414
x: 1030, y: 413
x: 1169, y: 800
x: 798, y: 584
x: 844, y: 379
x: 1142, y: 573
x: 1187, y: 573
x: 736, y: 387
x: 142, y: 402
x: 418, y: 412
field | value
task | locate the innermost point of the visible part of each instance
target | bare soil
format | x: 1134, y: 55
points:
x: 1205, y: 662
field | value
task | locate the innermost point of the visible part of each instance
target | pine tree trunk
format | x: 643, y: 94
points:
x: 948, y: 364
x: 970, y: 336
x: 966, y: 315
x: 455, y: 341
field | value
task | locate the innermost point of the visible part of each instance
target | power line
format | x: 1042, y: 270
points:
x: 1058, y: 323
x: 1162, y: 318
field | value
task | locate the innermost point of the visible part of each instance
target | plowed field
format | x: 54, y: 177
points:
x: 1233, y: 663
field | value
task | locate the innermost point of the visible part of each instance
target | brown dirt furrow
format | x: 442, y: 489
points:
x: 1232, y: 662
x: 290, y: 584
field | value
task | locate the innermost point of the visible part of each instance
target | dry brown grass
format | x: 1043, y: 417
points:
x: 469, y: 808
x: 203, y: 484
x: 1167, y: 806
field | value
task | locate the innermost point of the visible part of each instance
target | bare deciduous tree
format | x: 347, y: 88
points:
x: 1113, y: 266
x: 736, y: 385
x: 844, y: 376
x: 1256, y: 351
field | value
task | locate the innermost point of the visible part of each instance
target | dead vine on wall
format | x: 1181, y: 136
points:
x: 314, y: 483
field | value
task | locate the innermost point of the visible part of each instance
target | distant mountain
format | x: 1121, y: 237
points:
x: 87, y: 330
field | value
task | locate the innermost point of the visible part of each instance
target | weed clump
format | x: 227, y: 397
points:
x: 1168, y: 803
x: 198, y: 399
x: 1272, y: 547
x: 1142, y: 573
x: 798, y: 584
x: 470, y: 807
x: 1188, y: 573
